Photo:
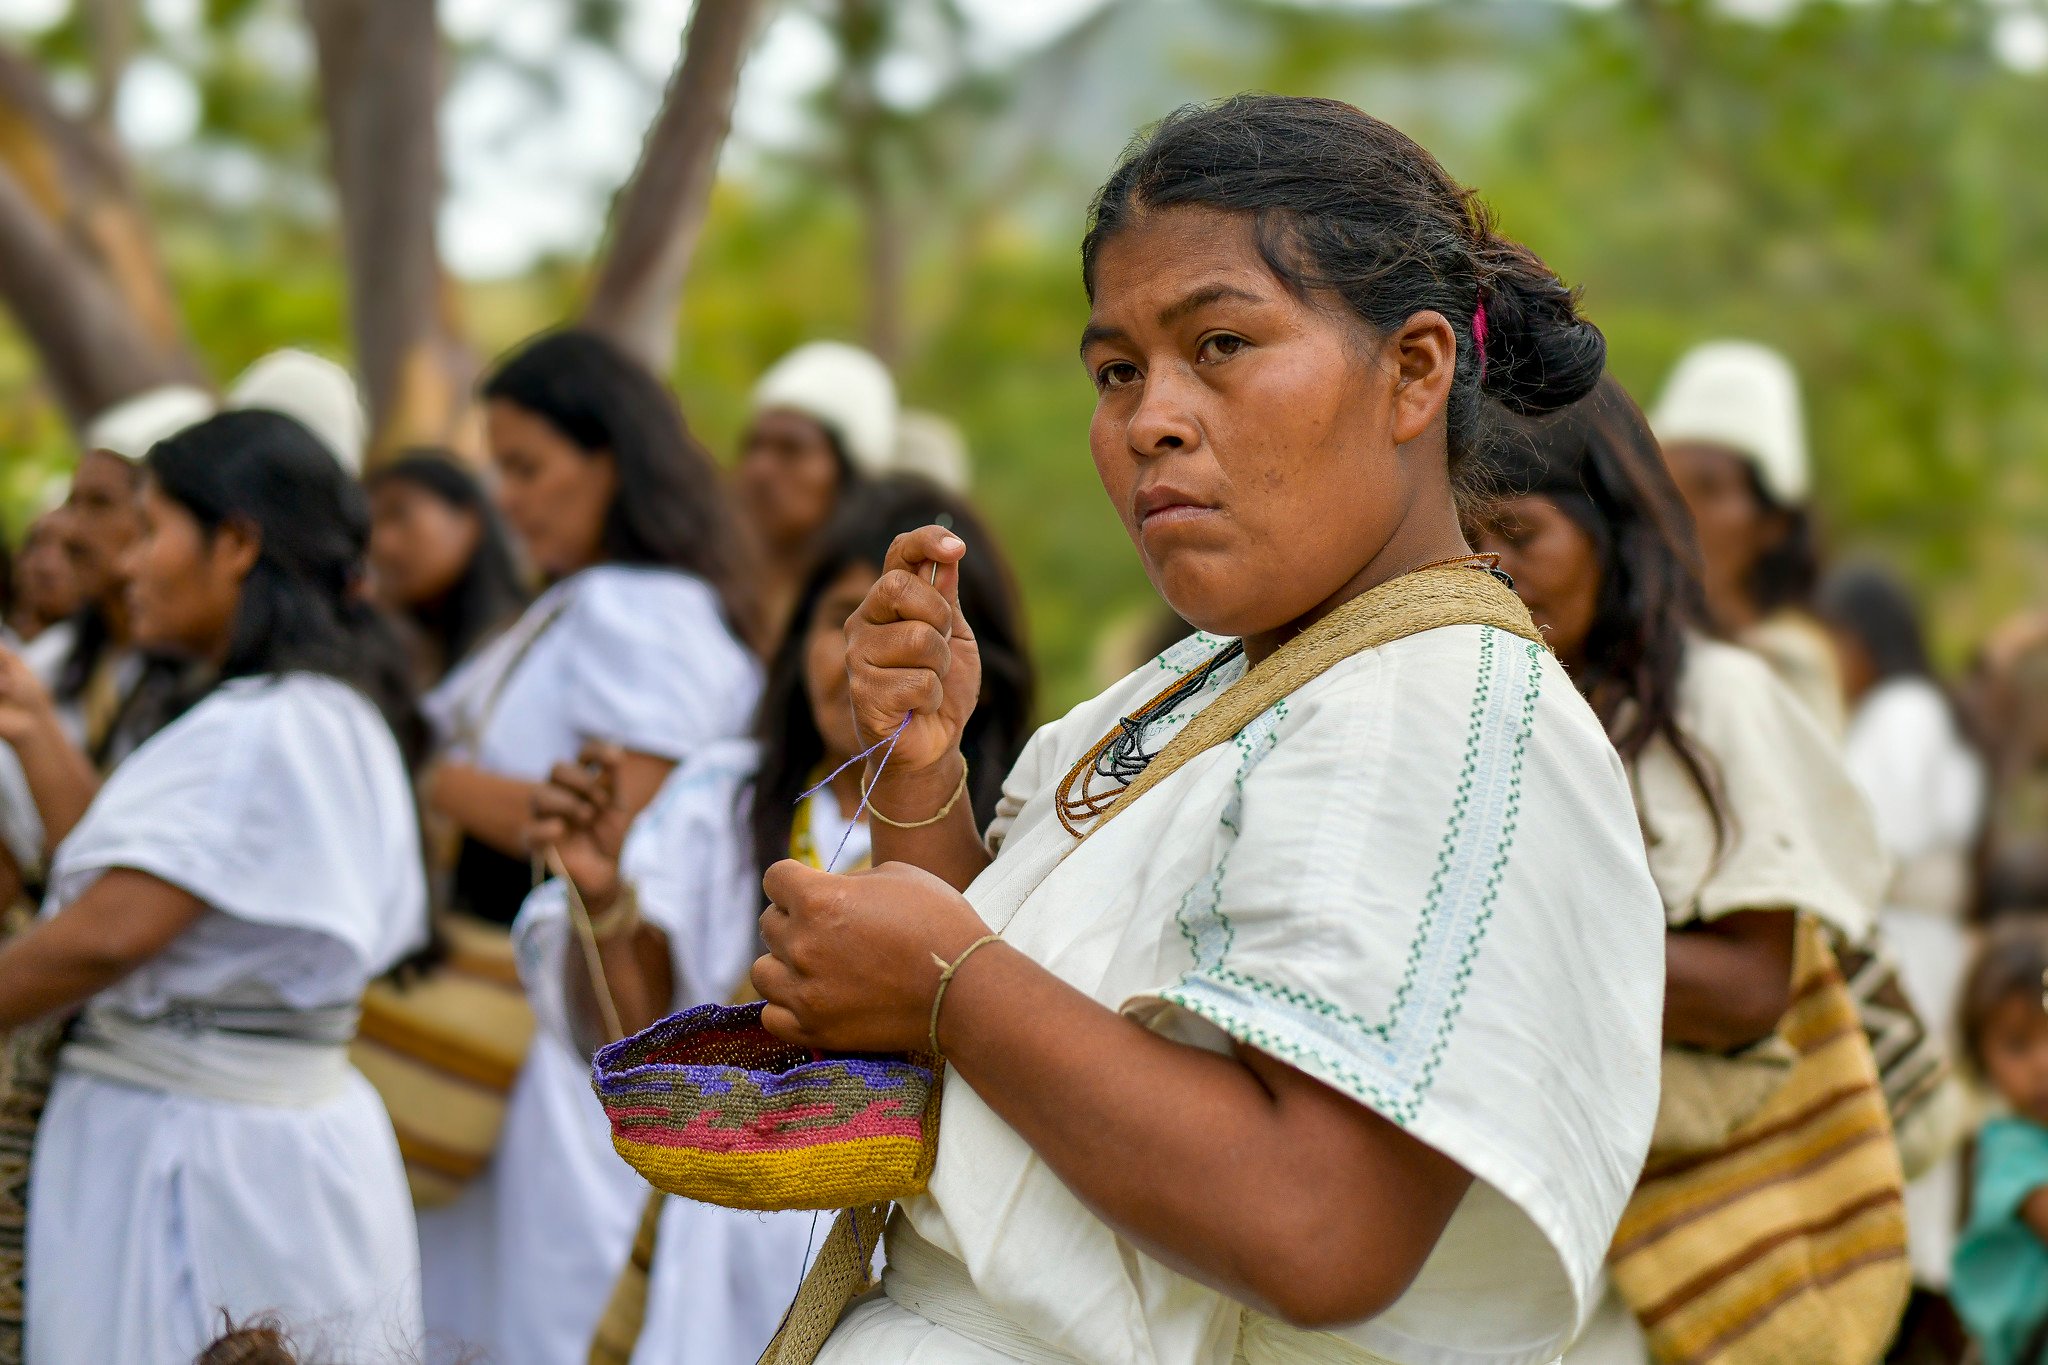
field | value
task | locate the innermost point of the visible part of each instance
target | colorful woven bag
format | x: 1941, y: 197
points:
x: 710, y: 1105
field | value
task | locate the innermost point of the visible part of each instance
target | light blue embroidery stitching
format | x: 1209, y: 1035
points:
x: 1390, y: 1063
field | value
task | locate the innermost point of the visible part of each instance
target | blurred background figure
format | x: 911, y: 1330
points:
x: 317, y: 392
x: 825, y: 419
x: 440, y: 559
x: 933, y: 447
x: 42, y: 589
x: 641, y: 642
x: 1731, y: 426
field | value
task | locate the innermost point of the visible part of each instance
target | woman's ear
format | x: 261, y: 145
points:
x: 1425, y: 355
x: 236, y: 547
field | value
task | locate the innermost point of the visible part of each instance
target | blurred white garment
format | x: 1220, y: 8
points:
x: 721, y: 1278
x: 1926, y: 787
x: 842, y: 388
x: 521, y: 1265
x: 156, y: 1205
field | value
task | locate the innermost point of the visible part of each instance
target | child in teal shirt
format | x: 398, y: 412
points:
x: 2000, y: 1282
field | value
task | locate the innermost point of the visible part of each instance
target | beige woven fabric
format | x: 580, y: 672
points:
x: 1449, y: 595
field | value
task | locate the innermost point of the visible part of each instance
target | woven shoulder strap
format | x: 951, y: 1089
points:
x: 1428, y: 599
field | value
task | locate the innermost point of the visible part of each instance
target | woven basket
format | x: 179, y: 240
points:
x: 709, y: 1105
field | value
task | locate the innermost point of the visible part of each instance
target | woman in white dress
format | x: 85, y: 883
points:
x: 1926, y: 785
x: 216, y: 913
x: 637, y: 644
x: 1339, y: 1042
x: 1750, y: 818
x: 675, y: 912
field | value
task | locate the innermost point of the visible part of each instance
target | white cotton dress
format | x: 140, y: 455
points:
x: 521, y: 1264
x: 156, y: 1205
x: 1419, y: 880
x: 1927, y: 789
x: 720, y: 1278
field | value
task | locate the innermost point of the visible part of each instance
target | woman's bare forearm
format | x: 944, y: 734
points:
x: 61, y: 781
x: 489, y: 807
x: 950, y: 849
x: 59, y: 963
x: 1728, y: 983
x: 1235, y: 1170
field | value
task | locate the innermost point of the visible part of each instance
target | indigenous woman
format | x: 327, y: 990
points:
x: 677, y: 928
x: 825, y: 418
x: 1335, y: 1039
x: 637, y: 644
x: 440, y: 558
x: 207, y: 1147
x: 1730, y: 425
x: 1750, y: 818
x: 1926, y: 785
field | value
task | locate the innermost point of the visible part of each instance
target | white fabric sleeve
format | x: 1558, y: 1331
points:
x: 651, y: 664
x: 279, y: 801
x: 21, y: 824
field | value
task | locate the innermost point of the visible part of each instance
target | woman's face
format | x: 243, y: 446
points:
x: 420, y: 544
x: 1735, y: 529
x: 554, y: 494
x: 103, y: 518
x: 1555, y: 565
x: 788, y: 478
x: 1255, y: 444
x: 48, y: 583
x: 825, y: 659
x: 183, y: 584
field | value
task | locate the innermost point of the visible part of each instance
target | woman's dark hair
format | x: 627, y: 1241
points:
x: 1597, y: 462
x: 860, y: 533
x: 1786, y: 574
x: 490, y: 592
x: 1868, y: 603
x: 1344, y: 204
x: 2010, y: 963
x: 670, y: 509
x: 302, y: 607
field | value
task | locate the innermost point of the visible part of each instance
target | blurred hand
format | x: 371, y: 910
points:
x: 908, y: 649
x: 578, y: 811
x: 850, y: 963
x: 26, y: 711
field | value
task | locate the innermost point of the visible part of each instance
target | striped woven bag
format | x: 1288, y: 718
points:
x: 1788, y: 1242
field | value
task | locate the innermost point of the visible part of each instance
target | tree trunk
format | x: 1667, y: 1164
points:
x: 660, y: 213
x: 78, y: 264
x: 380, y: 87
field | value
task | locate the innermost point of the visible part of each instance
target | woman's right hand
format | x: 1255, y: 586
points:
x: 909, y: 650
x: 578, y: 811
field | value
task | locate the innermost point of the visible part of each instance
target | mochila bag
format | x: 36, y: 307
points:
x: 1788, y: 1241
x: 762, y: 1125
x: 28, y: 1066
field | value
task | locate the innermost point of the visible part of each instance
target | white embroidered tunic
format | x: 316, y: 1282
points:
x: 1420, y: 880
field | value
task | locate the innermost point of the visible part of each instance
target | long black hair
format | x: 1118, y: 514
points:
x: 1598, y: 463
x: 1344, y: 204
x: 860, y: 533
x: 302, y: 608
x: 490, y: 592
x: 1868, y: 603
x: 670, y: 509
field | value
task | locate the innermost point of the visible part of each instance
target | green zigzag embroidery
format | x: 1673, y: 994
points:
x: 1210, y: 934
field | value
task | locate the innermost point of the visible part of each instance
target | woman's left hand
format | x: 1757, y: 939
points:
x: 854, y: 959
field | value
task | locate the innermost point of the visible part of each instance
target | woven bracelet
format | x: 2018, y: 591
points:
x: 946, y: 970
x: 867, y: 795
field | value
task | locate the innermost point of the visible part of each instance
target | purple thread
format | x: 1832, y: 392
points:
x: 1479, y: 337
x: 888, y: 746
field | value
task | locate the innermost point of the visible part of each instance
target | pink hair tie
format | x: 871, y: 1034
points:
x: 1479, y: 337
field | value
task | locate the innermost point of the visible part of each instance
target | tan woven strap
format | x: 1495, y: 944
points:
x: 1452, y: 595
x: 837, y: 1277
x: 618, y: 1331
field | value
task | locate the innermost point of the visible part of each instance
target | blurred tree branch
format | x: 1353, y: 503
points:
x: 78, y: 262
x: 380, y: 89
x: 659, y: 214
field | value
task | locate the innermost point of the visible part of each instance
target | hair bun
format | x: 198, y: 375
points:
x: 1541, y: 355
